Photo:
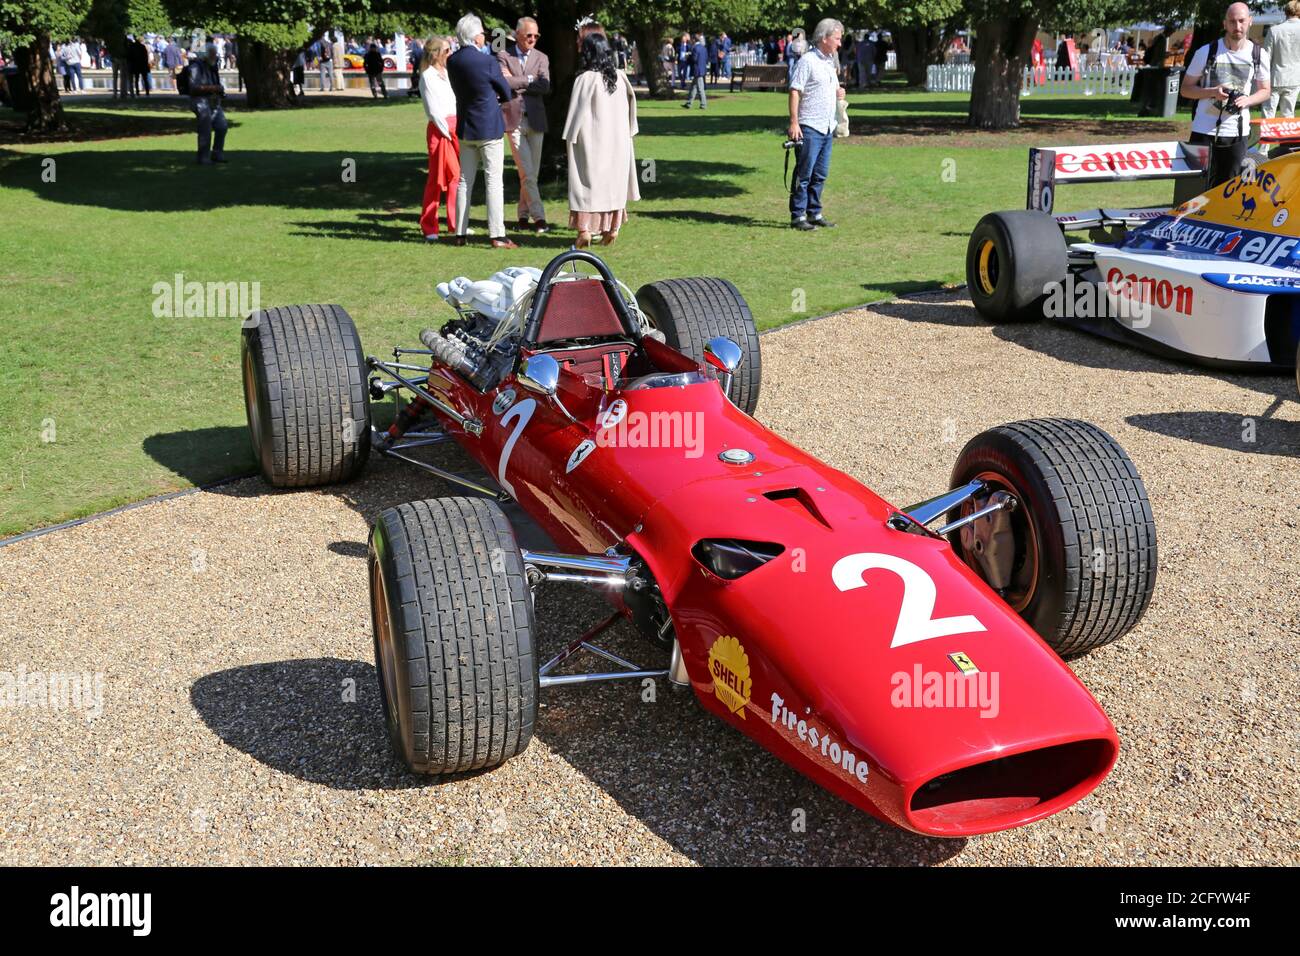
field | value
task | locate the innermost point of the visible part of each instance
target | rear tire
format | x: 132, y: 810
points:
x: 454, y: 634
x: 689, y: 312
x: 305, y: 395
x: 1085, y: 539
x: 1011, y: 256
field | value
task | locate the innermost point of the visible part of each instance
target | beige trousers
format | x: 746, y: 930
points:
x: 492, y: 155
x: 526, y: 146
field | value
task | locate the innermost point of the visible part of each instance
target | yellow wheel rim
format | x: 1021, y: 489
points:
x: 988, y: 266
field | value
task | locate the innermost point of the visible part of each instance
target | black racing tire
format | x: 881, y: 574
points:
x: 305, y: 395
x: 689, y: 312
x: 454, y: 634
x: 1010, y: 257
x: 1085, y: 538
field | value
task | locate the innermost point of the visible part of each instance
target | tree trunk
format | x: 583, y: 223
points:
x: 649, y: 37
x: 560, y: 43
x: 910, y: 44
x: 36, y: 74
x: 1002, y: 49
x: 267, y: 74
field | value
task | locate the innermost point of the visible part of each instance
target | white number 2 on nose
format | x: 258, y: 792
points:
x: 916, y: 620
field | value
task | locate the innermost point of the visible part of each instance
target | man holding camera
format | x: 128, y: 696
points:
x: 1221, y: 76
x: 814, y: 89
x: 205, y: 92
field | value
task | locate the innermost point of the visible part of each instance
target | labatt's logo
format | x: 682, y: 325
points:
x: 729, y: 666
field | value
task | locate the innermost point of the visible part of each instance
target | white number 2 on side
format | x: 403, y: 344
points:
x: 524, y: 412
x: 916, y: 621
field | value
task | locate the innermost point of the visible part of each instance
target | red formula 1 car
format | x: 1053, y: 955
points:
x: 916, y: 672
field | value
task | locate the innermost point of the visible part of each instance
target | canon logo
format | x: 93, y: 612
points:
x: 1158, y: 292
x: 1134, y: 161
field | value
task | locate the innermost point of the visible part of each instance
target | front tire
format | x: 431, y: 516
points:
x: 689, y: 312
x: 305, y: 395
x: 1010, y: 258
x: 454, y: 634
x: 1080, y: 562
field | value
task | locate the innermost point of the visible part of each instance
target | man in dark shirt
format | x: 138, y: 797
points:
x: 698, y: 65
x: 205, y: 99
x: 480, y: 89
x: 374, y: 64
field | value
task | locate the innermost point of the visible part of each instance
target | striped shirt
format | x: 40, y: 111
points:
x: 816, y: 77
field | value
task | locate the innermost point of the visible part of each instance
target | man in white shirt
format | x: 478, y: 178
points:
x: 1220, y: 76
x: 1283, y: 47
x: 814, y: 89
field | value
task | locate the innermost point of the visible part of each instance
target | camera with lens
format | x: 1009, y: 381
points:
x: 1233, y: 102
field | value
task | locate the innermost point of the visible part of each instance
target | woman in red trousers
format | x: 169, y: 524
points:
x: 444, y: 148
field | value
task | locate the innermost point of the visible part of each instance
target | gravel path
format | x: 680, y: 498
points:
x: 231, y: 630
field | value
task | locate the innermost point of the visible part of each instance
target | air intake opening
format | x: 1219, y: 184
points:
x: 797, y: 500
x: 732, y: 558
x: 1009, y: 790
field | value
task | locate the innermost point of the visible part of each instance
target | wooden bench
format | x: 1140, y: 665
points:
x: 760, y: 77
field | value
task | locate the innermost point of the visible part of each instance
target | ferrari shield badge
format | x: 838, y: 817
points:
x: 585, y: 448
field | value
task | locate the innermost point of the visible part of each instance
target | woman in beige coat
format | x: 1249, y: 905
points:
x: 599, y: 131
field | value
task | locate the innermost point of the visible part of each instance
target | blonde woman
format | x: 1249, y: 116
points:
x: 599, y: 131
x: 440, y: 134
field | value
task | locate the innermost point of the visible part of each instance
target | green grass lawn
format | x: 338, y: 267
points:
x: 136, y: 405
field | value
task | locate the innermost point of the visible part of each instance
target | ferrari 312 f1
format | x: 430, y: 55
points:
x: 907, y: 659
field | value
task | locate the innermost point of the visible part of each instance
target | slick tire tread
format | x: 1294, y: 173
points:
x: 1031, y: 253
x: 463, y: 622
x: 1096, y: 532
x: 314, y: 404
x: 691, y: 311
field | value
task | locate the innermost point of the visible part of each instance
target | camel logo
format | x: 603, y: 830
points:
x: 1247, y: 207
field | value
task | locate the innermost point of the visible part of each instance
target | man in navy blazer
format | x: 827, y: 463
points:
x: 480, y: 89
x: 699, y: 70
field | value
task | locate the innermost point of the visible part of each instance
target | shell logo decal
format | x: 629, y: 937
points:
x: 729, y: 667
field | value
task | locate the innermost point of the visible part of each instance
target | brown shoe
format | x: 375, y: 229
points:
x: 523, y: 224
x: 504, y: 244
x: 456, y: 240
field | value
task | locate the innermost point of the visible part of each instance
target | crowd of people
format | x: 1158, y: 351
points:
x: 696, y: 61
x: 477, y: 100
x: 133, y: 64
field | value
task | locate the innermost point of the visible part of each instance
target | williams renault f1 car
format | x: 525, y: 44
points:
x: 907, y: 659
x: 1214, y: 279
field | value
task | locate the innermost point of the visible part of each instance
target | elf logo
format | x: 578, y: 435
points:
x: 75, y: 908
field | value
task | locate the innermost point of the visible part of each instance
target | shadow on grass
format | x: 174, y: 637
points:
x: 104, y: 124
x: 203, y: 455
x: 168, y: 180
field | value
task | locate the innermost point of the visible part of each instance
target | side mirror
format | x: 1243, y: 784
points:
x: 725, y: 356
x: 540, y: 374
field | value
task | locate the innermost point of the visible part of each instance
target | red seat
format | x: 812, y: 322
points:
x: 578, y: 308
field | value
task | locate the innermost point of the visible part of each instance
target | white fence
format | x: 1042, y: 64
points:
x: 1092, y: 81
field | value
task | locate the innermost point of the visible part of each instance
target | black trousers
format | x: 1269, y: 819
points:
x: 1226, y: 157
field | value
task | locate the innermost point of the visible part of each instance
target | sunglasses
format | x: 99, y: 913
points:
x: 529, y: 36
